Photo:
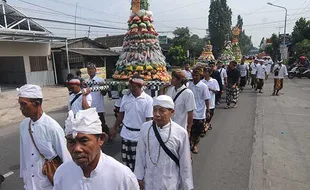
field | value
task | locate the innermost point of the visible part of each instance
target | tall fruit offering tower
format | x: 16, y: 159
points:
x: 235, y: 44
x: 141, y: 53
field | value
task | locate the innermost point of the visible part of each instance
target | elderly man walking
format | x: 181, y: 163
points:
x: 41, y: 139
x: 163, y: 159
x: 136, y: 108
x: 90, y: 169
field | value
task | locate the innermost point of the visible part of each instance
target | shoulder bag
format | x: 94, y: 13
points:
x: 176, y: 97
x: 49, y: 166
x: 162, y: 144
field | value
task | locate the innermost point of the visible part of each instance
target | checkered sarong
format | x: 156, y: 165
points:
x: 232, y: 95
x: 129, y: 153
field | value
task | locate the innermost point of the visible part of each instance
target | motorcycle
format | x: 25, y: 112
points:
x: 295, y: 72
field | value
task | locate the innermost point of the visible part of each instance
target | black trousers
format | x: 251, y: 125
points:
x: 104, y: 126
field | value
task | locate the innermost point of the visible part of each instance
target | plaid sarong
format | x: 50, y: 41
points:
x: 129, y: 153
x: 232, y: 95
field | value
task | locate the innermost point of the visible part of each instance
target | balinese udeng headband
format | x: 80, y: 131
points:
x: 139, y: 81
x: 84, y: 121
x: 74, y: 81
x: 30, y: 91
x: 91, y: 65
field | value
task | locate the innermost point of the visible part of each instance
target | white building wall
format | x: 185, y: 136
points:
x: 27, y: 49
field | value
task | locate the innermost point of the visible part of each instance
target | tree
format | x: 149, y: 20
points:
x: 181, y: 37
x: 301, y: 31
x: 196, y: 45
x: 178, y: 55
x: 192, y: 43
x: 219, y: 24
x: 275, y: 47
x: 302, y: 49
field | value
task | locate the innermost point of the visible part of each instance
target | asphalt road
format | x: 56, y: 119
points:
x: 223, y: 161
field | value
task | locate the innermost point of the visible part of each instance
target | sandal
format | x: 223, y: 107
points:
x: 195, y: 150
x: 210, y: 127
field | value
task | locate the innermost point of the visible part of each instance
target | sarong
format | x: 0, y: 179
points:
x: 243, y: 81
x: 232, y: 95
x: 129, y: 153
x: 278, y: 84
x: 260, y: 84
x: 197, y: 129
x: 253, y: 81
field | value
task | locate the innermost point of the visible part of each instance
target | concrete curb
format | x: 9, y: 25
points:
x: 257, y: 180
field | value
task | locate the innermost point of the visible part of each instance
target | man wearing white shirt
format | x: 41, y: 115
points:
x: 155, y: 169
x: 97, y: 96
x: 136, y: 108
x: 261, y: 75
x: 243, y: 74
x: 183, y: 99
x: 214, y: 88
x: 80, y: 99
x: 202, y: 99
x: 223, y: 72
x: 253, y: 70
x: 90, y: 169
x: 280, y: 71
x: 48, y: 139
x: 188, y: 72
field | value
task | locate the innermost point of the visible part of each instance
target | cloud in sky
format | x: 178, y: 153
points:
x: 260, y: 20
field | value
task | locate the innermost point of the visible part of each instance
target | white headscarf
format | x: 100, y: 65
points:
x: 164, y: 101
x: 30, y: 91
x: 85, y: 121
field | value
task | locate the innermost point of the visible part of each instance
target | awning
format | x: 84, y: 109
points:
x: 93, y: 52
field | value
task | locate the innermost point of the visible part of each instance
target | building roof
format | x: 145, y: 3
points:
x: 111, y: 41
x: 93, y: 52
x: 13, y: 21
x: 59, y: 45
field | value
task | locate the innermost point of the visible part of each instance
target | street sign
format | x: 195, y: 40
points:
x: 163, y: 39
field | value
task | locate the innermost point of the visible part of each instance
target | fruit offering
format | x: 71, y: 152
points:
x: 141, y: 54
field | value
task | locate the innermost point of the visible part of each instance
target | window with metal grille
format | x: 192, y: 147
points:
x: 38, y: 63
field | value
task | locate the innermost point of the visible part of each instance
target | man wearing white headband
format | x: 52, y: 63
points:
x: 48, y: 139
x: 163, y: 150
x: 136, y: 108
x: 90, y: 169
x: 80, y: 99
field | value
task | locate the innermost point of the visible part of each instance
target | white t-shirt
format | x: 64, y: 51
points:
x: 97, y: 98
x: 201, y: 94
x: 136, y: 111
x: 223, y: 73
x: 77, y: 104
x: 214, y: 85
x: 188, y: 74
x: 183, y: 104
x: 253, y: 66
x: 243, y: 70
x: 261, y: 71
x: 282, y: 71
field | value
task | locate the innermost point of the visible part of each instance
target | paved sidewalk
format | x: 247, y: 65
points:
x: 54, y: 98
x: 280, y: 159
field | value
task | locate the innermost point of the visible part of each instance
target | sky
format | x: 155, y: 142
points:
x: 260, y: 20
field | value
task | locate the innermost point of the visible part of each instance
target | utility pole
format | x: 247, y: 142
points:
x: 88, y: 32
x: 75, y: 19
